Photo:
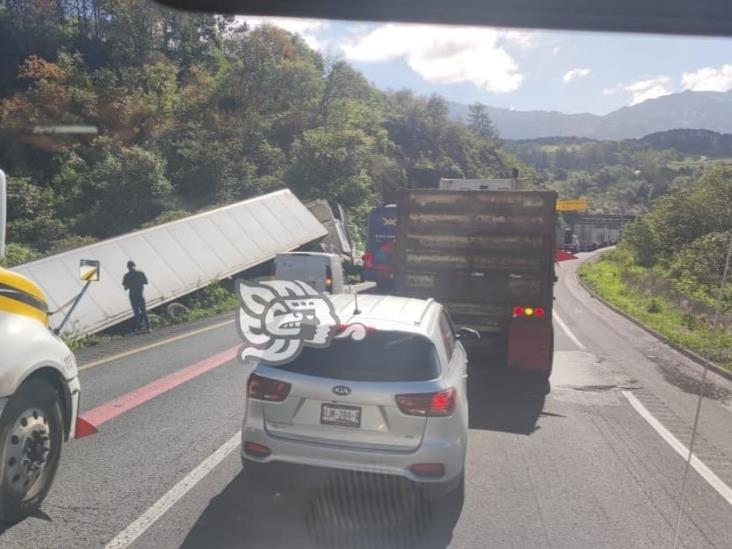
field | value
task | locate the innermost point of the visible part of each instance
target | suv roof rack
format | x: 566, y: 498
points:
x: 427, y: 306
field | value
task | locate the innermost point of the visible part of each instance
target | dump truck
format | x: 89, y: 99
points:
x: 488, y: 256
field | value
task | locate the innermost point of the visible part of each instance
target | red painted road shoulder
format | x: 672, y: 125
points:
x: 122, y: 404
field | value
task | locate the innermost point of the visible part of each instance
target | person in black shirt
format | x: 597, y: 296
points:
x: 134, y: 282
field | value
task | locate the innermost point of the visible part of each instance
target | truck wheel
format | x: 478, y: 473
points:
x: 31, y: 434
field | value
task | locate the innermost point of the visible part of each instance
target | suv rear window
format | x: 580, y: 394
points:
x: 380, y: 356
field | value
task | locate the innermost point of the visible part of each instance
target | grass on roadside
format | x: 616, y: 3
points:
x: 658, y: 312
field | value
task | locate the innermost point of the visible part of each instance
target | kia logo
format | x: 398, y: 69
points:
x: 342, y: 390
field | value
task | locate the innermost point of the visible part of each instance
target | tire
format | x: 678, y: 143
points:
x: 23, y: 487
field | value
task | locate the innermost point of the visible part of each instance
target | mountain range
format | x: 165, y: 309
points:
x: 692, y: 110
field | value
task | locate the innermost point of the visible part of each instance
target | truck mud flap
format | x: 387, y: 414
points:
x: 531, y: 346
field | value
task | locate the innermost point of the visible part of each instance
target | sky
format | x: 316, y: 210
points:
x: 517, y: 69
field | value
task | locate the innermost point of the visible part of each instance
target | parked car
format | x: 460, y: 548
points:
x: 323, y: 272
x: 393, y: 403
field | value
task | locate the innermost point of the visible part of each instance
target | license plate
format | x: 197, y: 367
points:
x: 338, y: 414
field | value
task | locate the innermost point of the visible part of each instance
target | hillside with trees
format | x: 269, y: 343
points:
x: 623, y: 176
x: 193, y: 111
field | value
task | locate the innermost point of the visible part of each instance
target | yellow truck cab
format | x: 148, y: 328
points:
x: 39, y: 392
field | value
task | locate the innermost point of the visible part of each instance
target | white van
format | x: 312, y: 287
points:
x: 323, y: 272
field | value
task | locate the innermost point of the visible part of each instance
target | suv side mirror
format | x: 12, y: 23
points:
x: 467, y: 334
x: 3, y: 210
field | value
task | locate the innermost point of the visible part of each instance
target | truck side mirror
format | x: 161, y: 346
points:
x: 3, y: 213
x: 467, y: 334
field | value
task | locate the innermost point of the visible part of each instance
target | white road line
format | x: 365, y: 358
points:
x: 569, y: 333
x: 158, y: 509
x: 705, y: 472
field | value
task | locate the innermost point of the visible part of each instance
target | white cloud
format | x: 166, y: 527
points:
x: 446, y: 54
x: 648, y: 89
x: 613, y: 90
x: 708, y: 79
x: 574, y: 74
x: 308, y: 29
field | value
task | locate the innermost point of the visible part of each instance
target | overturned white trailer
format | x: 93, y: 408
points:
x: 178, y: 257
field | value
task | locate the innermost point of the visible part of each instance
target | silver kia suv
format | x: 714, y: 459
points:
x: 393, y: 403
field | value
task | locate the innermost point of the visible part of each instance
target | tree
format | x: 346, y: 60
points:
x: 31, y: 212
x: 481, y: 122
x: 124, y: 187
x: 332, y: 165
x: 640, y: 238
x: 193, y: 110
x: 697, y: 268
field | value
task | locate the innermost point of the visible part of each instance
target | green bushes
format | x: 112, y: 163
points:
x: 696, y: 270
x: 686, y: 235
x: 15, y: 254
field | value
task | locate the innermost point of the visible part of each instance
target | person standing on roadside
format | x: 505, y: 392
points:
x: 134, y: 282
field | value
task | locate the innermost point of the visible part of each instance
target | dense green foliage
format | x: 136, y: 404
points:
x: 686, y: 235
x: 193, y: 111
x: 615, y: 176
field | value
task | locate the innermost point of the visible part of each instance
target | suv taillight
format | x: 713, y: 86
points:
x: 427, y: 404
x: 264, y: 388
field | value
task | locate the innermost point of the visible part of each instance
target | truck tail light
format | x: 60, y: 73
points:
x: 438, y: 404
x: 264, y: 388
x: 519, y: 312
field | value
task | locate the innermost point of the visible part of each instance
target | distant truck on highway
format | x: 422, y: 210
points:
x: 488, y: 256
x: 39, y: 392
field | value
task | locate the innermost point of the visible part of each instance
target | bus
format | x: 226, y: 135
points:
x: 378, y: 259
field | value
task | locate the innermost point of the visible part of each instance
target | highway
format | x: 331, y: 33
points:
x: 594, y: 463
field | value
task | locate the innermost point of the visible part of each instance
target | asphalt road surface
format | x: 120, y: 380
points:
x: 595, y: 463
